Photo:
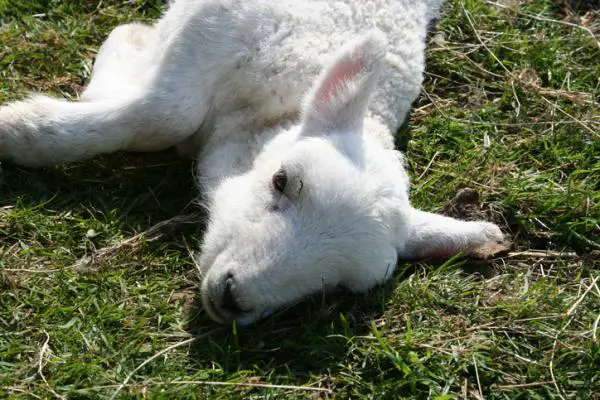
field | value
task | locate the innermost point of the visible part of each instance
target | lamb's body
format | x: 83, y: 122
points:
x: 217, y: 72
x: 225, y: 80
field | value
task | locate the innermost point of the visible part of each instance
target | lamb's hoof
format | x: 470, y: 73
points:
x: 492, y: 233
x: 494, y: 243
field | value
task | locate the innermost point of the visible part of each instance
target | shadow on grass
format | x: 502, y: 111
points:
x: 314, y: 336
x: 311, y: 337
x: 136, y: 191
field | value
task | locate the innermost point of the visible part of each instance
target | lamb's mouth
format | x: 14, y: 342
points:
x: 214, y: 312
x: 222, y: 316
x: 220, y: 303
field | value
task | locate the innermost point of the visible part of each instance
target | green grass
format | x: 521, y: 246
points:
x: 509, y: 108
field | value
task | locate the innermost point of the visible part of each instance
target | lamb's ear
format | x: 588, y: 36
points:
x: 338, y: 100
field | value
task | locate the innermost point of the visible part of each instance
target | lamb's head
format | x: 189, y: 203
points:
x: 321, y: 208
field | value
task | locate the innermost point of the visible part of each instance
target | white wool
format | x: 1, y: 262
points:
x: 252, y: 88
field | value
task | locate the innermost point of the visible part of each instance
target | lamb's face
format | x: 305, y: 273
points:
x: 321, y: 207
x: 305, y: 222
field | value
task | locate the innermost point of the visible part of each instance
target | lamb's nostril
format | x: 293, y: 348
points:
x: 228, y: 300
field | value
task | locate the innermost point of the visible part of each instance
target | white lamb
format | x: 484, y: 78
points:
x: 304, y: 195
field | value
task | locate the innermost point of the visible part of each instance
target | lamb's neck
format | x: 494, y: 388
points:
x: 233, y: 148
x: 233, y: 152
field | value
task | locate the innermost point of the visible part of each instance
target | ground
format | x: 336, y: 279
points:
x: 98, y: 292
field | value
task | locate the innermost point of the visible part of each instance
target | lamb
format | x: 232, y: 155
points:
x: 289, y: 108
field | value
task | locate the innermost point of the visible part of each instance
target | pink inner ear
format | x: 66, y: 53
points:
x: 344, y: 71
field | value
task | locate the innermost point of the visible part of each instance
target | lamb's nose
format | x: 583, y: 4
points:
x: 228, y: 301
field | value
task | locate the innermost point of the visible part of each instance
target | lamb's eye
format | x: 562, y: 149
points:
x: 280, y: 180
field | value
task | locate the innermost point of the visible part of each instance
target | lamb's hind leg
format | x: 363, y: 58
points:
x: 125, y: 63
x: 190, y: 61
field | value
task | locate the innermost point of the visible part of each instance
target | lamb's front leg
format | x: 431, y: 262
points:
x: 436, y: 236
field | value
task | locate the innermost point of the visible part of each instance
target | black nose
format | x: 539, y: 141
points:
x: 228, y: 301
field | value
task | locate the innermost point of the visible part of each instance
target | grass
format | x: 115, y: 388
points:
x: 94, y: 301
